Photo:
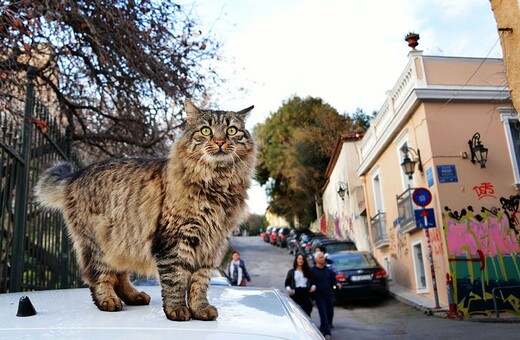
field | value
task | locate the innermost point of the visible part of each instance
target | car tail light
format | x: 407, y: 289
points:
x: 340, y: 277
x: 380, y: 274
x: 282, y: 237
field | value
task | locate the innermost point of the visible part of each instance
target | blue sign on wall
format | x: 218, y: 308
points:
x: 429, y: 176
x: 447, y: 173
x: 424, y: 218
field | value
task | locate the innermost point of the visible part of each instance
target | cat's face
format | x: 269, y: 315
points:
x: 218, y: 136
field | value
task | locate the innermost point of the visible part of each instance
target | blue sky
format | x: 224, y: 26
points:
x: 349, y: 53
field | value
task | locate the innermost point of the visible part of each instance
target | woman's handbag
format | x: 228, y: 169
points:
x: 243, y: 283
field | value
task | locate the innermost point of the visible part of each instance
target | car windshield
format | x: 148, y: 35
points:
x: 354, y: 261
x: 335, y: 247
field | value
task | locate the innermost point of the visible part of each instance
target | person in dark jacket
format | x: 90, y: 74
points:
x: 324, y: 279
x: 299, y: 283
x: 237, y: 271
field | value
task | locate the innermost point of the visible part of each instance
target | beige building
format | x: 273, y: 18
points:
x: 507, y: 15
x: 343, y: 213
x: 439, y: 110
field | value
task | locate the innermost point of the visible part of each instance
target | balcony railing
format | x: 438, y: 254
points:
x: 405, y: 208
x: 379, y: 233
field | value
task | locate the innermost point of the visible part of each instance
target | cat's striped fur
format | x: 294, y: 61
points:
x: 168, y: 216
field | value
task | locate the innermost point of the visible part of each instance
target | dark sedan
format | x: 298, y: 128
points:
x: 360, y: 275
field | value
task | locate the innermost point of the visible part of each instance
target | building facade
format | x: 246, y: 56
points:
x: 462, y: 222
x: 343, y: 213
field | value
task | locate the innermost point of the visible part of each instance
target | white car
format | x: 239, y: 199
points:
x: 244, y: 313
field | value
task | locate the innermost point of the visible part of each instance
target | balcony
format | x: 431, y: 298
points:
x: 379, y: 233
x: 405, y: 208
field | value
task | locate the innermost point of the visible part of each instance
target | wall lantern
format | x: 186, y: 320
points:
x: 342, y: 189
x: 408, y: 164
x: 478, y: 151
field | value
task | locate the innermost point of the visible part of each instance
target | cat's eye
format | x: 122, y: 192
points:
x: 206, y: 131
x: 231, y: 131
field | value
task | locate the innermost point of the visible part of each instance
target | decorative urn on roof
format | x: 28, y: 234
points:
x: 413, y: 39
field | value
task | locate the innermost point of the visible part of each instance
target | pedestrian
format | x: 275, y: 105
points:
x: 324, y: 279
x: 299, y: 283
x: 237, y: 271
x: 330, y: 264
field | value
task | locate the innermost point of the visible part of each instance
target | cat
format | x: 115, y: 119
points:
x: 169, y: 216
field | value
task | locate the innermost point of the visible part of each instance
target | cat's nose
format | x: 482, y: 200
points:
x: 219, y: 143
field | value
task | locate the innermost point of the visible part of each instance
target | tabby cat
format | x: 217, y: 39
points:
x: 168, y: 216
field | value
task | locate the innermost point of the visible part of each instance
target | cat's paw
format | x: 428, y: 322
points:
x: 207, y: 313
x: 110, y: 305
x: 179, y: 313
x: 138, y: 299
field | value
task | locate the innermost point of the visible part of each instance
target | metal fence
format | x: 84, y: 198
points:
x: 35, y: 253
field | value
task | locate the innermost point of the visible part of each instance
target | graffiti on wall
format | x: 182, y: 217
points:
x: 340, y: 227
x: 398, y: 244
x: 484, y: 253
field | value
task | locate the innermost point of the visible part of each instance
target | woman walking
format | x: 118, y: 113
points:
x: 299, y: 283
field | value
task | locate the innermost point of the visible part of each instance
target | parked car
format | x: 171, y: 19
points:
x: 244, y: 313
x: 267, y: 235
x: 301, y: 241
x: 273, y: 236
x: 281, y: 238
x: 332, y: 245
x: 306, y: 246
x: 360, y: 275
x: 292, y: 238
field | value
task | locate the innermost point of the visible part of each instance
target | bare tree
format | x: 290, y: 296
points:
x: 116, y: 70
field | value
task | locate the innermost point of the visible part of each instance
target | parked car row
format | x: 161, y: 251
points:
x: 359, y: 273
x: 276, y: 236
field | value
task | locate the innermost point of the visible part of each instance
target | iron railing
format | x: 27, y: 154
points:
x: 405, y: 208
x: 379, y: 232
x: 35, y: 253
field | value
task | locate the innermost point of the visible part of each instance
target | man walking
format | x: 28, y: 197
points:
x: 324, y: 280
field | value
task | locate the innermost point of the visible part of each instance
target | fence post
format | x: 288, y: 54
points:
x: 65, y: 249
x: 22, y: 187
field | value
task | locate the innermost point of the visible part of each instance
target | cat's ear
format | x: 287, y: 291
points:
x: 192, y: 112
x: 245, y: 112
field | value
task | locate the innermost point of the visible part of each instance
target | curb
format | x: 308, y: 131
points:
x: 443, y: 312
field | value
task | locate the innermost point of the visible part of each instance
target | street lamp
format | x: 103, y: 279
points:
x: 478, y: 151
x: 342, y: 189
x: 408, y: 164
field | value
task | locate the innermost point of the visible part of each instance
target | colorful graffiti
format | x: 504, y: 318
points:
x: 484, y: 254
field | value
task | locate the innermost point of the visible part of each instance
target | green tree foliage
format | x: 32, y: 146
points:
x: 254, y: 224
x: 360, y: 120
x: 295, y: 144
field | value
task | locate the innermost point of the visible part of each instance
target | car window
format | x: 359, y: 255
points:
x: 335, y: 247
x: 354, y: 261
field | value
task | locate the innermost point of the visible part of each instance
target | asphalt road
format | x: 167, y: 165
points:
x: 388, y: 319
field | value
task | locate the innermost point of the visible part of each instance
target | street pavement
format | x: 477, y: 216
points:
x: 402, y: 316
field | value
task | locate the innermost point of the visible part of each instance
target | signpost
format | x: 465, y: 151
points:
x: 425, y: 218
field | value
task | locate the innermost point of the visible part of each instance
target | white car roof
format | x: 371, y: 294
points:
x: 252, y: 313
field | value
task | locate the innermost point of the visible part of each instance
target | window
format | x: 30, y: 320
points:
x: 419, y: 268
x: 378, y: 197
x: 512, y: 129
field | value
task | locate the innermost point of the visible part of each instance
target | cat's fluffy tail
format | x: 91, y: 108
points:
x: 50, y: 191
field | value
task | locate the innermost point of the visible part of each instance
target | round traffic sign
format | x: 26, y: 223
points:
x: 422, y: 197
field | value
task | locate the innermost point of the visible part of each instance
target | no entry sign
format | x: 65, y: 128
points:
x: 422, y: 197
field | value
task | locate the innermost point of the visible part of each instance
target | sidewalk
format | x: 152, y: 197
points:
x: 428, y: 306
x: 417, y: 301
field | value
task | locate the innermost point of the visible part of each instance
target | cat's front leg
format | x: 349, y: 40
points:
x: 198, y: 298
x: 174, y: 283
